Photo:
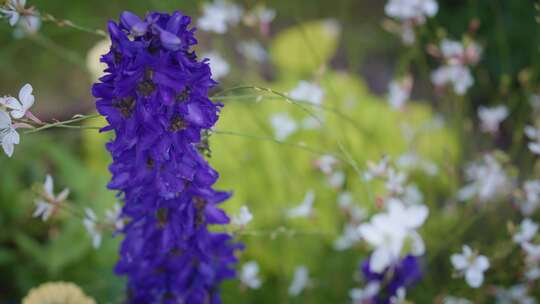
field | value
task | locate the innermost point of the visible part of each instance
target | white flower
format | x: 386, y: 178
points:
x: 300, y: 281
x: 531, y: 189
x: 243, y: 218
x: 217, y: 16
x: 416, y: 10
x: 48, y: 201
x: 395, y: 181
x: 350, y: 236
x: 113, y: 217
x: 533, y: 273
x: 399, y: 92
x: 252, y: 50
x: 308, y: 92
x: 491, y: 118
x: 412, y: 195
x: 533, y: 134
x: 249, y: 275
x: 454, y: 300
x: 283, y: 125
x: 336, y: 179
x: 8, y: 136
x: 305, y: 209
x: 218, y: 65
x: 458, y: 76
x: 532, y: 252
x: 90, y: 223
x: 28, y: 24
x: 471, y: 265
x: 366, y: 294
x: 12, y: 10
x: 517, y: 294
x: 527, y: 231
x: 19, y: 107
x: 487, y: 180
x: 326, y: 163
x: 376, y: 169
x: 411, y: 160
x: 399, y: 298
x: 452, y: 49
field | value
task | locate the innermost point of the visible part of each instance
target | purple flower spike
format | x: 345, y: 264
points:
x: 155, y: 98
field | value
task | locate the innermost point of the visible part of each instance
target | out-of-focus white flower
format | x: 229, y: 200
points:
x: 399, y: 298
x: 26, y: 20
x: 8, y: 135
x: 28, y: 25
x: 458, y: 76
x: 452, y: 49
x: 364, y: 295
x: 312, y: 122
x: 243, y: 217
x: 217, y: 16
x: 534, y: 135
x: 471, y: 265
x: 411, y: 160
x: 399, y: 92
x: 218, y: 65
x: 454, y: 300
x: 531, y: 189
x: 395, y: 181
x: 345, y: 200
x: 348, y: 238
x: 532, y: 252
x: 487, y: 180
x: 308, y: 92
x: 22, y: 105
x: 456, y: 53
x: 252, y: 50
x: 376, y: 169
x: 326, y: 163
x: 346, y: 203
x: 48, y: 202
x: 527, y: 231
x: 533, y: 272
x: 93, y: 56
x: 113, y: 217
x: 387, y: 233
x: 416, y: 10
x: 305, y: 209
x: 336, y: 179
x: 300, y: 281
x: 249, y: 275
x: 517, y: 294
x: 91, y: 225
x: 491, y: 118
x: 11, y: 10
x: 412, y: 196
x: 283, y: 125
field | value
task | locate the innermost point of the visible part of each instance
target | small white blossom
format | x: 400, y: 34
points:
x: 243, y: 217
x: 411, y: 160
x: 454, y: 300
x: 283, y: 125
x: 399, y: 298
x: 532, y: 252
x: 91, y: 225
x: 399, y: 92
x: 218, y: 65
x: 412, y: 196
x: 487, y: 180
x: 416, y: 10
x: 308, y: 92
x: 517, y: 294
x: 249, y: 275
x: 300, y: 281
x: 458, y: 76
x: 253, y: 50
x: 11, y: 10
x: 376, y: 169
x: 364, y: 295
x: 348, y: 238
x: 527, y: 231
x: 48, y: 201
x: 113, y: 217
x: 22, y: 105
x: 395, y: 182
x: 471, y: 265
x: 8, y: 135
x: 326, y: 163
x: 531, y: 189
x: 336, y: 179
x: 491, y: 118
x: 532, y: 273
x: 305, y: 209
x: 218, y: 16
x: 534, y: 135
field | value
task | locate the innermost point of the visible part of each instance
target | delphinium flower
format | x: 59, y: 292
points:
x: 393, y: 281
x: 471, y: 265
x: 491, y: 118
x: 249, y: 275
x: 457, y: 57
x: 487, y: 180
x: 300, y: 281
x: 155, y: 98
x: 399, y: 92
x: 13, y: 115
x: 218, y: 65
x: 305, y: 208
x: 283, y: 125
x: 219, y: 15
x: 410, y: 14
x: 48, y: 203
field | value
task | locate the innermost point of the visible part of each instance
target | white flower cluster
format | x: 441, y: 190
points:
x: 457, y: 57
x: 410, y: 14
x: 11, y: 107
x: 487, y: 181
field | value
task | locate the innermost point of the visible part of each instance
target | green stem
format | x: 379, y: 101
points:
x: 63, y: 124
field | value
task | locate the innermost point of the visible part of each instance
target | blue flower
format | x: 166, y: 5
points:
x: 155, y: 98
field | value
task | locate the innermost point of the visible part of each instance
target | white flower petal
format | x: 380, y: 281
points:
x: 380, y: 259
x: 474, y: 278
x: 48, y: 186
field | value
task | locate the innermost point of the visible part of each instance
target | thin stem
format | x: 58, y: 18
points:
x: 62, y: 124
x: 67, y: 23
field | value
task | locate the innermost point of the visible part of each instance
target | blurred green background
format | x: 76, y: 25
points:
x: 353, y: 66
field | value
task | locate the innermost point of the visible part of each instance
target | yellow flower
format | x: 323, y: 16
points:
x: 57, y: 293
